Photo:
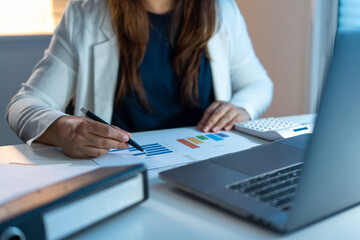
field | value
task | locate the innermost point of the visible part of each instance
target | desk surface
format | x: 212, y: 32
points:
x: 172, y: 214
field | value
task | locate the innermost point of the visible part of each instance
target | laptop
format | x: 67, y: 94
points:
x: 291, y: 183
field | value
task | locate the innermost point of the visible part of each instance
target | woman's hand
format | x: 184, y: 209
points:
x: 221, y: 115
x: 80, y: 137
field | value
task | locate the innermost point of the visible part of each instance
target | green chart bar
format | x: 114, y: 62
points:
x: 202, y: 137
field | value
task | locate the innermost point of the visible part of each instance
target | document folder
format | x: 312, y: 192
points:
x: 62, y: 209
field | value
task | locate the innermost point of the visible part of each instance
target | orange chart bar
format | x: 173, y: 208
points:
x: 187, y: 143
x: 194, y: 140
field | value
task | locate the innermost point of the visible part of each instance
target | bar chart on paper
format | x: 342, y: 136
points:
x: 175, y: 147
x: 151, y: 149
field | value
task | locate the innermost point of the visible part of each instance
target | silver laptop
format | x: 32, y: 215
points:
x: 291, y: 183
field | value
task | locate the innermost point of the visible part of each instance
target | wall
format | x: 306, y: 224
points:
x: 281, y: 35
x: 18, y: 56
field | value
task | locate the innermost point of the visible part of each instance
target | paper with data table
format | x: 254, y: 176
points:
x: 176, y: 146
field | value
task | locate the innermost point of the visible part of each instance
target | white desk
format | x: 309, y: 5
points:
x: 172, y: 214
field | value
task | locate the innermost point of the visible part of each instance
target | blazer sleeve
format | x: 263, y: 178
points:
x: 44, y: 97
x: 252, y: 88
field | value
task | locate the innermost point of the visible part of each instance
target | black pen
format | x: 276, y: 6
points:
x: 98, y: 119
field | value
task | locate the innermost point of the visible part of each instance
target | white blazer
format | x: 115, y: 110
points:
x: 82, y: 64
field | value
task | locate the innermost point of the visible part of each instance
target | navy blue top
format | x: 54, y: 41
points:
x: 161, y: 86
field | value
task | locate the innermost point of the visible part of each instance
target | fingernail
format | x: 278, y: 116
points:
x: 227, y: 128
x: 206, y: 128
x: 215, y: 129
x: 124, y: 138
x: 126, y: 145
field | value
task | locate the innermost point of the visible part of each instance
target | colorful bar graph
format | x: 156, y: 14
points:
x: 194, y: 140
x: 222, y: 135
x: 187, y: 143
x: 214, y: 137
x: 202, y: 137
x: 191, y: 142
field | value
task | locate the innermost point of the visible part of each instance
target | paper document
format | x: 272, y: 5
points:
x: 17, y: 180
x: 177, y: 146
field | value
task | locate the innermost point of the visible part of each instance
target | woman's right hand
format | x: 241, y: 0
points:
x: 80, y: 137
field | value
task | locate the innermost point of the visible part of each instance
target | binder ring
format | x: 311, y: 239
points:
x: 13, y: 233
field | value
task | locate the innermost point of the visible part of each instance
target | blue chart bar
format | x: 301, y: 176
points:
x: 138, y: 154
x: 158, y: 153
x: 116, y: 150
x: 151, y: 149
x: 214, y: 137
x: 147, y: 149
x: 153, y: 153
x: 222, y: 135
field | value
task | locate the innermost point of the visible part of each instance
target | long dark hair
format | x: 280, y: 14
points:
x: 193, y: 24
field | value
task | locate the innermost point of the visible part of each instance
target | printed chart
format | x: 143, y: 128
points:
x: 174, y: 147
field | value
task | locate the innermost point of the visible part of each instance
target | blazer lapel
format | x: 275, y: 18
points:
x: 218, y: 48
x: 105, y: 70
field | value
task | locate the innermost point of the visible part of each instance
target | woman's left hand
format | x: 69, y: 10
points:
x: 221, y: 115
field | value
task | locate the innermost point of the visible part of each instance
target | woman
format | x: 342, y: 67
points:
x: 141, y: 65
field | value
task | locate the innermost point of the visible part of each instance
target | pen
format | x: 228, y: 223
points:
x: 98, y: 119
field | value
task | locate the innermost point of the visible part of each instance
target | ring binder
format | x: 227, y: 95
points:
x: 62, y: 209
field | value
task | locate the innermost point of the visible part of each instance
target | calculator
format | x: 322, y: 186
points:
x: 273, y: 128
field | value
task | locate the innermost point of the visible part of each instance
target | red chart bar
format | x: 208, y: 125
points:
x: 187, y: 143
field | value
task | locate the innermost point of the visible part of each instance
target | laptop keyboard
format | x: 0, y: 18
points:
x: 276, y: 188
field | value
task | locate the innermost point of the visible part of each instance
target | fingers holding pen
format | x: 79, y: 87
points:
x: 122, y: 131
x: 81, y: 137
x: 121, y: 135
x: 106, y: 131
x: 106, y: 137
x: 105, y: 143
